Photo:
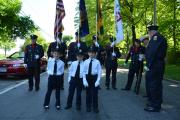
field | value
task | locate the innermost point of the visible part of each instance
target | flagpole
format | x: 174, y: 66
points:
x: 56, y: 27
x: 96, y: 19
x: 79, y: 24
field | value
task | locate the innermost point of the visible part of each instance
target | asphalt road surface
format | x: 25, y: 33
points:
x: 17, y: 103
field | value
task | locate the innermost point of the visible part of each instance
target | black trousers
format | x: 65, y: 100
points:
x: 108, y: 72
x: 53, y: 83
x: 75, y: 83
x: 91, y: 92
x: 34, y: 72
x: 133, y: 69
x: 154, y: 85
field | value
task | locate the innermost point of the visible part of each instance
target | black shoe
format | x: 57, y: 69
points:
x: 88, y: 109
x: 96, y: 110
x: 58, y: 107
x: 107, y: 87
x: 37, y: 89
x: 46, y: 107
x: 151, y: 109
x: 30, y: 89
x: 78, y: 108
x: 68, y: 107
x: 114, y: 88
x: 125, y: 89
x: 62, y: 88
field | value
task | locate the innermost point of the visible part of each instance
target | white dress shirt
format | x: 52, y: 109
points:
x: 96, y: 69
x: 73, y: 69
x: 50, y: 66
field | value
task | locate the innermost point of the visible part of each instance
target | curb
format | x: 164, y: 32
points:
x: 173, y: 81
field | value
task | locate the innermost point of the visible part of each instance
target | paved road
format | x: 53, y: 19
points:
x: 19, y: 104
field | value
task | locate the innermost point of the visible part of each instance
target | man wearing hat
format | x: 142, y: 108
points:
x: 111, y: 64
x: 155, y: 65
x: 136, y: 53
x: 33, y: 54
x: 60, y: 45
x: 76, y: 47
x: 100, y: 49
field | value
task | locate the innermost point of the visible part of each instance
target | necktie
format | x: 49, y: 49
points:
x: 90, y: 67
x: 78, y: 70
x: 55, y: 67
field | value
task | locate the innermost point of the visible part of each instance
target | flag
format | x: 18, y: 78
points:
x: 118, y: 22
x: 84, y: 26
x: 100, y: 28
x: 60, y: 14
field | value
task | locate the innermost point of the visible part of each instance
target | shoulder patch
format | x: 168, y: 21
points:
x: 155, y: 38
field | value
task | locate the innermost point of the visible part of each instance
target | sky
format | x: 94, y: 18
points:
x: 42, y: 12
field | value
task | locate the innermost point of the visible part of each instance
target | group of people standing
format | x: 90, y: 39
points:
x: 85, y: 68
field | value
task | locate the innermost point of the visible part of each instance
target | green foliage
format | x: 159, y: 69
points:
x: 67, y: 38
x: 172, y: 72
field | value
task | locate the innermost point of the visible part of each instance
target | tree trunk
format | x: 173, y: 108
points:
x: 5, y: 51
x: 174, y: 25
x: 133, y: 28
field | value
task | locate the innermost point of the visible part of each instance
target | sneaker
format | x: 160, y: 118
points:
x: 58, y: 107
x: 96, y: 110
x: 68, y: 107
x: 46, y: 107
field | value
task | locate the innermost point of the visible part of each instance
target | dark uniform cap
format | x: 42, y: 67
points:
x: 34, y: 37
x: 94, y: 37
x: 92, y: 49
x: 77, y: 33
x: 80, y: 53
x: 60, y: 35
x: 57, y: 50
x: 137, y: 41
x: 152, y: 27
x: 112, y: 39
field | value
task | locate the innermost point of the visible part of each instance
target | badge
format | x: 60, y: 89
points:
x: 80, y: 50
x: 155, y: 38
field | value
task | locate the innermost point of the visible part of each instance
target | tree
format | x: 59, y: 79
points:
x: 7, y: 45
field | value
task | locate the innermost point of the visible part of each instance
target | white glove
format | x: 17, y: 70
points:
x: 141, y: 57
x: 114, y: 54
x: 78, y: 44
x: 146, y: 68
x: 112, y: 44
x: 69, y: 79
x: 36, y: 56
x: 97, y: 83
x: 25, y: 65
x: 85, y: 83
x: 96, y: 44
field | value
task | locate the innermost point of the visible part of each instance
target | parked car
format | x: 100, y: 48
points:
x: 14, y: 65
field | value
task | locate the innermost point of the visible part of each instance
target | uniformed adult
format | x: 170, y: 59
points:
x: 100, y: 49
x: 111, y: 64
x: 136, y: 53
x: 61, y: 46
x: 75, y: 47
x: 33, y: 54
x: 155, y: 66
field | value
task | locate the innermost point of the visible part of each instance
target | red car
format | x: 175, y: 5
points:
x: 14, y: 65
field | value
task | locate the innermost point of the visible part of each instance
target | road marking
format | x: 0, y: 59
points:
x: 15, y: 86
x: 12, y: 87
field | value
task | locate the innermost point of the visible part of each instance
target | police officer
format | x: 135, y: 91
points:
x: 100, y: 50
x: 111, y: 64
x: 136, y: 54
x: 58, y: 44
x: 155, y: 65
x: 33, y: 54
x: 75, y: 47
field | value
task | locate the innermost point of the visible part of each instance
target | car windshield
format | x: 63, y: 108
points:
x: 17, y: 55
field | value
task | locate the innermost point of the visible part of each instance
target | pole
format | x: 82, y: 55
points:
x: 155, y: 15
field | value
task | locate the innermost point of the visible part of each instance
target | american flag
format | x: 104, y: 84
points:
x: 60, y: 14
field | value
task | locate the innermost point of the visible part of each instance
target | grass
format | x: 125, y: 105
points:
x: 171, y: 71
x: 2, y: 56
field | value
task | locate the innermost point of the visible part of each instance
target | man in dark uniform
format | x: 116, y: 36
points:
x: 76, y: 47
x: 33, y: 54
x: 100, y: 49
x: 58, y: 44
x: 136, y: 53
x: 155, y: 66
x: 111, y: 64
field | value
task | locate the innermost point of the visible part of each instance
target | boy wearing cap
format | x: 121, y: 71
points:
x: 91, y: 80
x: 32, y: 56
x: 55, y: 70
x: 75, y: 81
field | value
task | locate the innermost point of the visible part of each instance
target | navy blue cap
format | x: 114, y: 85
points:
x: 77, y: 34
x: 94, y: 37
x: 80, y: 53
x: 34, y: 37
x: 137, y: 41
x: 153, y: 27
x: 92, y: 49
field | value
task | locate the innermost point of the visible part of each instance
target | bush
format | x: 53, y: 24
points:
x: 173, y: 57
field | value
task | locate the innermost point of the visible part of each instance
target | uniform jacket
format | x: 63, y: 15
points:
x: 31, y: 51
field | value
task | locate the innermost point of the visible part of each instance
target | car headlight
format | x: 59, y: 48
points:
x: 19, y: 65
